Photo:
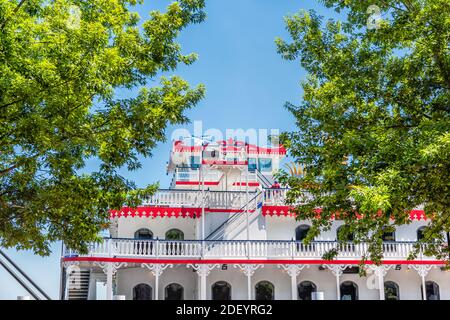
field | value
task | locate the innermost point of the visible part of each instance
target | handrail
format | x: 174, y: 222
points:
x: 261, y: 176
x: 262, y: 241
x: 232, y: 218
x: 23, y: 274
x: 248, y: 249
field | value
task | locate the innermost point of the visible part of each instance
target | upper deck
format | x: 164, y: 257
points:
x: 227, y: 165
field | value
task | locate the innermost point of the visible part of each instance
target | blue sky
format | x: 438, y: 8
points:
x: 247, y: 85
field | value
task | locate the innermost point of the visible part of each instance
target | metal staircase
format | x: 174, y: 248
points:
x: 78, y: 284
x: 265, y: 182
x: 237, y: 219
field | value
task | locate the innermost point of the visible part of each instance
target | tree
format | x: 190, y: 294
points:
x: 61, y: 64
x: 373, y: 125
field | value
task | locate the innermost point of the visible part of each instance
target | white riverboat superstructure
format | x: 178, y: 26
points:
x: 223, y: 231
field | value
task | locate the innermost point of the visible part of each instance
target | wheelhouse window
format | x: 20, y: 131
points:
x: 174, y: 291
x: 349, y: 290
x: 432, y: 290
x: 251, y: 164
x: 305, y: 290
x: 142, y: 291
x: 195, y: 162
x: 391, y: 291
x: 265, y: 164
x: 221, y: 290
x: 264, y: 290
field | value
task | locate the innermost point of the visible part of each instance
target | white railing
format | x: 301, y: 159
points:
x: 174, y: 198
x: 188, y: 198
x: 238, y: 249
x: 277, y: 197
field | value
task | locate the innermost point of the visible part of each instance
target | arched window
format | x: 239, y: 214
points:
x: 305, y: 290
x: 388, y: 236
x: 174, y: 248
x: 391, y: 291
x: 420, y: 233
x: 349, y: 290
x: 174, y: 234
x: 221, y: 290
x: 143, y: 247
x: 143, y: 234
x: 142, y: 291
x: 432, y: 290
x: 264, y: 290
x: 343, y: 233
x: 301, y: 232
x: 174, y: 291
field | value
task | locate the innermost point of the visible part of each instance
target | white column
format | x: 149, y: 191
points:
x: 337, y: 270
x: 157, y: 270
x: 380, y: 272
x: 109, y: 279
x: 422, y: 270
x: 293, y: 270
x: 202, y: 181
x: 110, y: 269
x: 249, y: 270
x: 70, y: 266
x: 203, y: 271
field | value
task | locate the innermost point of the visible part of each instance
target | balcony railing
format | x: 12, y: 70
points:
x: 213, y: 199
x: 237, y: 249
x: 193, y: 199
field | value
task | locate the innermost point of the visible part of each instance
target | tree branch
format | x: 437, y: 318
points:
x: 16, y: 9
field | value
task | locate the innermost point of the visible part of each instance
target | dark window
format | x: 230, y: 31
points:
x: 221, y: 290
x: 420, y: 233
x: 301, y: 232
x: 174, y: 291
x: 388, y: 236
x: 351, y: 270
x: 143, y: 247
x: 174, y: 248
x: 391, y: 291
x: 195, y: 162
x: 174, y: 234
x: 349, y: 291
x: 142, y: 291
x: 264, y: 290
x: 305, y: 290
x: 343, y: 234
x: 265, y: 165
x: 432, y: 290
x: 143, y: 234
x: 252, y: 164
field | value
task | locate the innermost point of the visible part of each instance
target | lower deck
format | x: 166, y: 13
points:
x: 255, y: 281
